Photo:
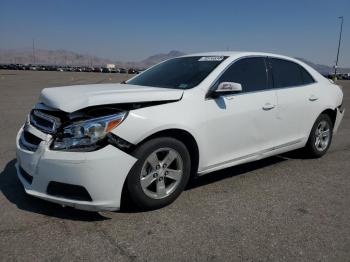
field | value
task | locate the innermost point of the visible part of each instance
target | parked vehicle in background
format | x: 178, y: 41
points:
x: 20, y: 67
x: 106, y: 70
x: 340, y: 76
x: 68, y: 68
x: 346, y: 76
x: 88, y: 69
x: 97, y: 70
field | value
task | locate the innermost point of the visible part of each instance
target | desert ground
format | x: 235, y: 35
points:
x: 284, y: 208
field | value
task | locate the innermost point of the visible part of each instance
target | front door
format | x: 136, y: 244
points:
x: 241, y: 125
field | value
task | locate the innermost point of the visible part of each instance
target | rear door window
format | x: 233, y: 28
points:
x: 289, y: 74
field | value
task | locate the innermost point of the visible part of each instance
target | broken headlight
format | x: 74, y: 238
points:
x: 86, y: 134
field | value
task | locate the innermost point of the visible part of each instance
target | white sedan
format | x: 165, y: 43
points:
x: 85, y: 146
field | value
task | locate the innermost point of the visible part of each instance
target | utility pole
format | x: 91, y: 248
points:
x: 33, y: 52
x: 341, y: 31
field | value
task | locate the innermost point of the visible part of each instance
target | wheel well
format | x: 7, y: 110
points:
x: 331, y: 113
x: 186, y: 138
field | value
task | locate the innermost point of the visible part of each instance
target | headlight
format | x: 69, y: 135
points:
x: 88, y: 133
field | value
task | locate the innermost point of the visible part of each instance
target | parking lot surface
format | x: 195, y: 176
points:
x: 284, y: 208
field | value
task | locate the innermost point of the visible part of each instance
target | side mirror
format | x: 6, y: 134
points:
x: 226, y: 88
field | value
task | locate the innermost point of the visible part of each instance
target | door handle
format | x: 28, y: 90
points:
x: 268, y: 106
x: 313, y: 98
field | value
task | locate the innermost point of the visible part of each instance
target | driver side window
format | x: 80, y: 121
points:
x: 251, y: 73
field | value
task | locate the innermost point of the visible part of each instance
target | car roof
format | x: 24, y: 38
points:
x: 238, y: 54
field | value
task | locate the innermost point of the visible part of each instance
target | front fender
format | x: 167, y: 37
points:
x: 144, y: 122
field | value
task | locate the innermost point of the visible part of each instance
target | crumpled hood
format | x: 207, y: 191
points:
x: 72, y: 98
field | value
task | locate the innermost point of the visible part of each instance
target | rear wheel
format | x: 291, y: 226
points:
x: 320, y: 137
x: 160, y: 174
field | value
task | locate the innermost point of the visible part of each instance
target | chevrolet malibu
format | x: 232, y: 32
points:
x: 85, y: 145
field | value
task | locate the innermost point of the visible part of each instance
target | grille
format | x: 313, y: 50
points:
x: 29, y: 141
x: 44, y: 122
x: 68, y: 191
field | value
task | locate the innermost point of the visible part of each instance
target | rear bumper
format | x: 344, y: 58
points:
x: 102, y: 173
x: 339, y: 118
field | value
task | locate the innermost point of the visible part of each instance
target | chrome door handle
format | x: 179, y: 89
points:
x: 313, y: 98
x: 268, y: 106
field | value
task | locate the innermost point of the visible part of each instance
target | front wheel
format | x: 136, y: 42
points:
x: 320, y: 137
x: 160, y: 174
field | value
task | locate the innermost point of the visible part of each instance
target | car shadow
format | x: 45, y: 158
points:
x: 13, y: 190
x: 129, y: 207
x: 233, y: 171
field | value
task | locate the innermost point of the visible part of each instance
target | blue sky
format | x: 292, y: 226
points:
x: 133, y: 30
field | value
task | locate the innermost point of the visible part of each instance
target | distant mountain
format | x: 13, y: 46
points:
x: 151, y: 60
x: 64, y: 57
x: 154, y: 59
x: 324, y: 69
x: 51, y: 57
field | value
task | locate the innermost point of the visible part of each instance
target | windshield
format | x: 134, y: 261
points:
x: 178, y: 73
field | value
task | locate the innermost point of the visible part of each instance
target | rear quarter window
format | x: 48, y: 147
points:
x: 307, y: 78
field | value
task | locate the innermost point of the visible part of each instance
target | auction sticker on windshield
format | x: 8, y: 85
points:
x: 211, y: 58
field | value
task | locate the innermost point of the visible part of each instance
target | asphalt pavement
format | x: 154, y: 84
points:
x: 284, y: 208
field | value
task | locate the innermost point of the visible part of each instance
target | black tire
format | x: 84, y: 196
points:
x: 133, y: 182
x: 310, y: 149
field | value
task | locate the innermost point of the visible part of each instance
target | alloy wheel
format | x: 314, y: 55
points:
x: 161, y: 173
x: 322, y: 135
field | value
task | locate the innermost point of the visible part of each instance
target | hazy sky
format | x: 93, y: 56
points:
x: 132, y: 30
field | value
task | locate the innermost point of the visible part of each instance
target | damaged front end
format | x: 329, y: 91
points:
x: 50, y: 164
x: 87, y: 129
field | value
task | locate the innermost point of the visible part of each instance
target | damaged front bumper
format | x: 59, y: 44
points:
x: 339, y: 118
x: 90, y: 181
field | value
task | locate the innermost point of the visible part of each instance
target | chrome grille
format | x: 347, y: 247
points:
x: 44, y: 122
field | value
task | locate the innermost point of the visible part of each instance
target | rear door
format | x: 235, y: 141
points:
x: 240, y: 125
x: 297, y: 100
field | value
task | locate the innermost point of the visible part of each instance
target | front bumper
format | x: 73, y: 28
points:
x: 339, y: 118
x: 102, y: 173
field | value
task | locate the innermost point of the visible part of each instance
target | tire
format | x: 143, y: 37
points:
x: 151, y: 184
x: 314, y: 148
